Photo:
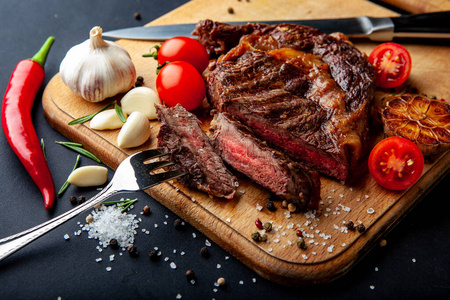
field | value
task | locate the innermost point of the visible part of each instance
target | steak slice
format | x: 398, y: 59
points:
x: 304, y: 92
x: 181, y: 135
x: 245, y: 153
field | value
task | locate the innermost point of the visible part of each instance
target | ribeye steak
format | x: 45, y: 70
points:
x: 304, y: 92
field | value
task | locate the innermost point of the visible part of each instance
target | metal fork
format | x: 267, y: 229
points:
x: 133, y: 174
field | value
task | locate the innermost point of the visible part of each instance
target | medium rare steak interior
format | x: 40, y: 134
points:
x: 182, y: 136
x: 245, y: 153
x: 304, y: 92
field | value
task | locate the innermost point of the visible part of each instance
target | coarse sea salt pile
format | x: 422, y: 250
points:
x: 109, y: 223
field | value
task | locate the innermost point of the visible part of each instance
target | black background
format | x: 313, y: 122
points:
x: 53, y: 267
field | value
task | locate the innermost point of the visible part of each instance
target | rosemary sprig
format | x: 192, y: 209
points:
x: 79, y: 148
x: 66, y: 184
x: 125, y: 203
x: 89, y: 117
x: 119, y: 113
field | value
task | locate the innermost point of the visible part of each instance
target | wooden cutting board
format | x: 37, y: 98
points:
x: 332, y: 250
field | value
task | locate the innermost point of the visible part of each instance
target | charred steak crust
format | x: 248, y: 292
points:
x: 190, y: 148
x: 304, y: 92
x: 245, y: 153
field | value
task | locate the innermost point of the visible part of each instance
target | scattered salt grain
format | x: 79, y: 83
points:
x: 219, y: 266
x: 259, y: 207
x: 98, y: 259
x: 66, y: 236
x: 108, y: 223
x: 254, y: 280
x: 207, y: 243
x: 376, y: 269
x: 414, y: 260
x: 111, y: 257
x: 372, y: 287
x: 370, y: 211
x: 194, y: 235
x: 173, y: 265
x: 330, y: 249
x: 179, y: 296
x: 228, y: 220
x: 108, y: 269
x: 241, y: 282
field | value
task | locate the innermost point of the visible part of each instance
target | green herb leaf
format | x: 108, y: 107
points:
x: 89, y: 117
x: 119, y: 112
x: 66, y: 184
x: 78, y: 148
x: 125, y: 203
x: 43, y: 148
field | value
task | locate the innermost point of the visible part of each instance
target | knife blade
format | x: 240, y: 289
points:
x: 428, y: 26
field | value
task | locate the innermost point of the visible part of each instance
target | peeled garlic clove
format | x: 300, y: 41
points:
x: 88, y: 176
x: 141, y: 99
x: 107, y: 119
x: 135, y: 131
x: 97, y: 69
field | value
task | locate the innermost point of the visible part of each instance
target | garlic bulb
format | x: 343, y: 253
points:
x: 97, y: 69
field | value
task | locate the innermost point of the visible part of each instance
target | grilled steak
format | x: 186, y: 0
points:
x: 190, y: 148
x: 239, y: 148
x: 303, y: 91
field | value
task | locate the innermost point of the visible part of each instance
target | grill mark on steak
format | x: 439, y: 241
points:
x: 299, y: 89
x: 239, y: 148
x: 181, y: 135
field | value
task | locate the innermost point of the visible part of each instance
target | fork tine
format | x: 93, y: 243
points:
x: 157, y: 164
x: 158, y: 178
x: 147, y: 154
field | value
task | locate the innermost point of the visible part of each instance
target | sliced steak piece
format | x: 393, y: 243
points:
x: 190, y: 148
x: 302, y: 91
x: 245, y: 153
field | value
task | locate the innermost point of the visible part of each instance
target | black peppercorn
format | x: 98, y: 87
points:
x: 271, y: 206
x: 132, y: 250
x: 146, y: 210
x: 190, y: 274
x: 113, y: 244
x: 301, y: 243
x: 350, y: 225
x: 81, y: 199
x: 177, y: 223
x: 230, y: 10
x: 153, y: 255
x: 361, y: 228
x: 256, y: 236
x: 137, y: 16
x: 204, y: 252
x: 73, y: 200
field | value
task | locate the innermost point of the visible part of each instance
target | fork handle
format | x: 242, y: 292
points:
x: 11, y: 244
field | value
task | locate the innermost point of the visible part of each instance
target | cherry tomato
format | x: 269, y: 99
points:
x: 179, y: 82
x: 392, y: 64
x: 184, y: 49
x: 396, y: 163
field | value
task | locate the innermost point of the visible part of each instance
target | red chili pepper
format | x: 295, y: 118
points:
x: 25, y: 81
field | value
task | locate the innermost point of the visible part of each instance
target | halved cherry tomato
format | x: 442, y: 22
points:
x: 396, y: 163
x: 392, y: 64
x: 184, y: 49
x: 179, y: 82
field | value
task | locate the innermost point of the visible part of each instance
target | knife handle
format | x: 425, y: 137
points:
x: 429, y: 25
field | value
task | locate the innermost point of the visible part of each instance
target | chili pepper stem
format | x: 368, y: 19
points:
x: 41, y: 56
